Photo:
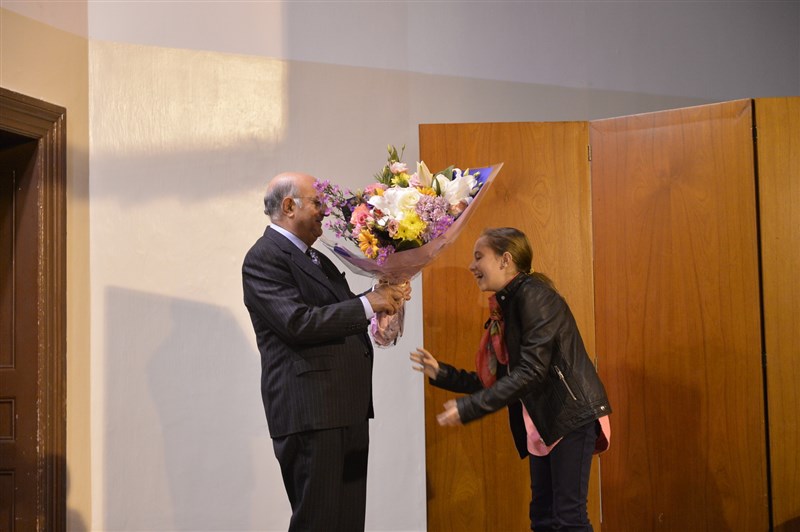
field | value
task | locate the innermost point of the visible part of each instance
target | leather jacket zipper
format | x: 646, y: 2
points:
x: 561, y: 376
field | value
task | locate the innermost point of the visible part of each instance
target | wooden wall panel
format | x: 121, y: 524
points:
x: 678, y: 319
x: 778, y: 122
x: 476, y: 480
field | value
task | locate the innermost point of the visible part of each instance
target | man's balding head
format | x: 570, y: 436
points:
x: 292, y: 202
x: 283, y: 185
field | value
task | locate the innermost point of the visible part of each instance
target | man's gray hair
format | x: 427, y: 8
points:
x: 275, y: 195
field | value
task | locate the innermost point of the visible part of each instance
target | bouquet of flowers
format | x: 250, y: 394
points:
x: 399, y: 223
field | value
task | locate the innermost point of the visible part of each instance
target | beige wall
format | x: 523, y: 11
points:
x: 52, y: 65
x: 183, y: 143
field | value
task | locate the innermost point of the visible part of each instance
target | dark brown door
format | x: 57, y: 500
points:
x: 32, y: 314
x: 678, y: 319
x: 18, y: 333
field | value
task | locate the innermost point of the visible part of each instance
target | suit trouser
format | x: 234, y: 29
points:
x: 325, y: 476
x: 560, y: 482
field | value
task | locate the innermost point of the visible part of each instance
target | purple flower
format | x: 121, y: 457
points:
x: 439, y: 228
x: 433, y: 211
x: 383, y: 253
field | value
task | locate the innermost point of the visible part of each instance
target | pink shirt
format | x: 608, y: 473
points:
x: 537, y: 447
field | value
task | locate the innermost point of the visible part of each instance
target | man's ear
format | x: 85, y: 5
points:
x: 288, y: 206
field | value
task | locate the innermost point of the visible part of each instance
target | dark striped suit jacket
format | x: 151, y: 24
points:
x: 311, y: 330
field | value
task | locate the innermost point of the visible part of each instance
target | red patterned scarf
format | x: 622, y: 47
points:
x: 493, y: 347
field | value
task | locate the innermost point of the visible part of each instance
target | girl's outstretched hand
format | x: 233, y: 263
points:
x: 450, y: 416
x: 424, y: 363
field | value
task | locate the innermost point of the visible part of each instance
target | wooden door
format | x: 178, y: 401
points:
x: 18, y: 334
x: 32, y: 303
x: 678, y: 324
x: 778, y: 123
x: 476, y: 480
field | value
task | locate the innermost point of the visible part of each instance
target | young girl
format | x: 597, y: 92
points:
x: 532, y: 360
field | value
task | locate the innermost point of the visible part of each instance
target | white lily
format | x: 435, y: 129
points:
x: 460, y: 188
x: 424, y: 176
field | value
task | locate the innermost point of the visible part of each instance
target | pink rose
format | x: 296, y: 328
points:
x: 398, y: 168
x: 361, y: 215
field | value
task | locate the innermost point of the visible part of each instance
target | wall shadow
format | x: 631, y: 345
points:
x: 182, y: 415
x: 75, y: 519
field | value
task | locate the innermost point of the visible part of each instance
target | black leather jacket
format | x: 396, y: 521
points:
x: 548, y: 368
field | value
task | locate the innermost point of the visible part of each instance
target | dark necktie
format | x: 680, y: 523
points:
x: 314, y: 256
x: 333, y: 275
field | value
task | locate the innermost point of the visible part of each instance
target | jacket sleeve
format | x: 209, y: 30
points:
x: 539, y: 314
x: 456, y: 380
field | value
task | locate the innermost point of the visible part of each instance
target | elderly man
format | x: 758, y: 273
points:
x: 316, y: 359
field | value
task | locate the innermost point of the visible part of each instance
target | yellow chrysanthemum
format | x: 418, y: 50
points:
x: 400, y: 180
x: 410, y: 227
x: 368, y: 244
x: 428, y: 191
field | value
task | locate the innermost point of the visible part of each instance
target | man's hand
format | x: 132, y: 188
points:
x: 389, y: 298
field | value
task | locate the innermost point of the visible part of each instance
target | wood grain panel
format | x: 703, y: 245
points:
x: 778, y: 121
x: 476, y: 480
x: 7, y: 509
x: 678, y: 319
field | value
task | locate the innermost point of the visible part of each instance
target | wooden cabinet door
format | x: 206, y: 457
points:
x: 678, y: 324
x: 476, y: 480
x: 778, y: 121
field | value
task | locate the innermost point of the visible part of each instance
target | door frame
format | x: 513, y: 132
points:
x: 46, y: 123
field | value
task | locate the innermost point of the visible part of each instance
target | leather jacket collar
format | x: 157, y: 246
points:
x: 507, y: 292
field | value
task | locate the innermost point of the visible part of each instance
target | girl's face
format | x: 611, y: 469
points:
x: 492, y: 271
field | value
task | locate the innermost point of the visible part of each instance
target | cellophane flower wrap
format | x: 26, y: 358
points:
x: 397, y: 225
